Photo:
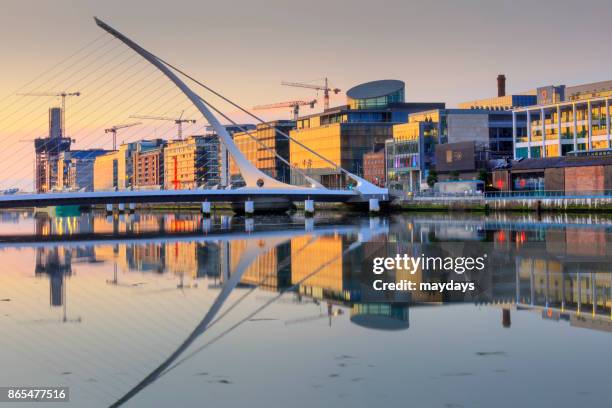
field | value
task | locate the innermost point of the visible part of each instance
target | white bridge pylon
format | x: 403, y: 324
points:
x: 253, y: 177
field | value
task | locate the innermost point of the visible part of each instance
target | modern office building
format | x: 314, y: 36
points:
x: 75, y: 169
x: 565, y: 119
x: 411, y: 152
x: 263, y: 146
x: 115, y: 170
x: 192, y: 162
x: 148, y: 162
x: 343, y: 134
x: 106, y: 171
x: 224, y: 157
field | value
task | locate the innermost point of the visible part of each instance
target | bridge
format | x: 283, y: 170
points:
x: 258, y: 188
x: 241, y: 195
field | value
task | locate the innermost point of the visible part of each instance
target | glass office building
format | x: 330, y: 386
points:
x: 566, y: 119
x: 262, y: 147
x: 343, y: 134
x: 557, y: 129
x: 410, y: 154
x: 376, y: 94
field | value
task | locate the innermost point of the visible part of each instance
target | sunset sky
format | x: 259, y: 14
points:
x: 447, y: 51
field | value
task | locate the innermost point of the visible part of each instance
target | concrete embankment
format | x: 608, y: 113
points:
x: 535, y: 204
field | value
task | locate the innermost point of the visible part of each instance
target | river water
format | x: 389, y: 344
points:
x: 154, y: 309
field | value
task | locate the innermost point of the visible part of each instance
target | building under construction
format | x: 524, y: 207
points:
x: 48, y: 150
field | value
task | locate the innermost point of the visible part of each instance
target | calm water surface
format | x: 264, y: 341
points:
x: 176, y: 310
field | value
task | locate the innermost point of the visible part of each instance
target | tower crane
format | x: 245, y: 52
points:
x: 114, y: 130
x: 325, y: 88
x: 63, y: 95
x: 295, y: 105
x: 178, y: 121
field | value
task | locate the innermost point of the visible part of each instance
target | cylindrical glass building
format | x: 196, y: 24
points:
x: 376, y: 94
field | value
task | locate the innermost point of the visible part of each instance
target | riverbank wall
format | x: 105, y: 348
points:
x: 528, y: 204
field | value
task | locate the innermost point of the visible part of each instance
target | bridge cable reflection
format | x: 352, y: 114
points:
x: 256, y: 311
x: 285, y: 262
x: 165, y: 367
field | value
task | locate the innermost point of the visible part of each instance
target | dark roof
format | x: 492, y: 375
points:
x: 375, y: 89
x: 556, y: 162
x: 409, y: 107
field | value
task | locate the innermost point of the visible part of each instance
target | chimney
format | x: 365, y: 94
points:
x: 501, y: 85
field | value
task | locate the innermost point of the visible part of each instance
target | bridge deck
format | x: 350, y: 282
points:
x: 175, y: 196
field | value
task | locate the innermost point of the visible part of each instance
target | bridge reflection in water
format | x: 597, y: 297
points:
x: 545, y: 265
x: 540, y: 265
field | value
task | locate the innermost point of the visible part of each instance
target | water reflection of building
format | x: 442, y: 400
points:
x: 380, y: 316
x: 46, y: 225
x: 324, y: 269
x: 183, y: 258
x: 269, y: 271
x: 56, y: 264
x: 149, y: 257
x: 582, y: 298
x: 569, y: 280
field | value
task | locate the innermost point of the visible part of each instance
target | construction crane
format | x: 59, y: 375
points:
x: 178, y: 121
x: 294, y: 105
x: 63, y: 95
x: 325, y: 88
x: 114, y: 130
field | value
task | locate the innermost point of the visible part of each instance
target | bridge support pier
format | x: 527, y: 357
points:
x: 109, y: 209
x: 132, y: 208
x: 206, y: 209
x: 121, y: 208
x: 249, y: 208
x: 309, y: 208
x: 374, y: 205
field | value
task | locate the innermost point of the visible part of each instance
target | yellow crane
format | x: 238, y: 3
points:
x: 325, y: 88
x: 294, y: 105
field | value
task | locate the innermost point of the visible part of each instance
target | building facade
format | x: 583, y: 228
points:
x: 263, y: 146
x: 342, y: 135
x: 374, y: 167
x: 106, y: 171
x: 191, y: 163
x: 224, y: 157
x: 560, y: 175
x: 410, y: 155
x: 115, y: 170
x: 565, y: 119
x: 148, y: 162
x: 76, y: 169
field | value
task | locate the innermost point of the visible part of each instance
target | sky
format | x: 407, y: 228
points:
x: 445, y: 51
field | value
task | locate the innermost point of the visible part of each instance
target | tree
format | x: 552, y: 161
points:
x: 432, y: 178
x: 453, y: 175
x: 483, y: 175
